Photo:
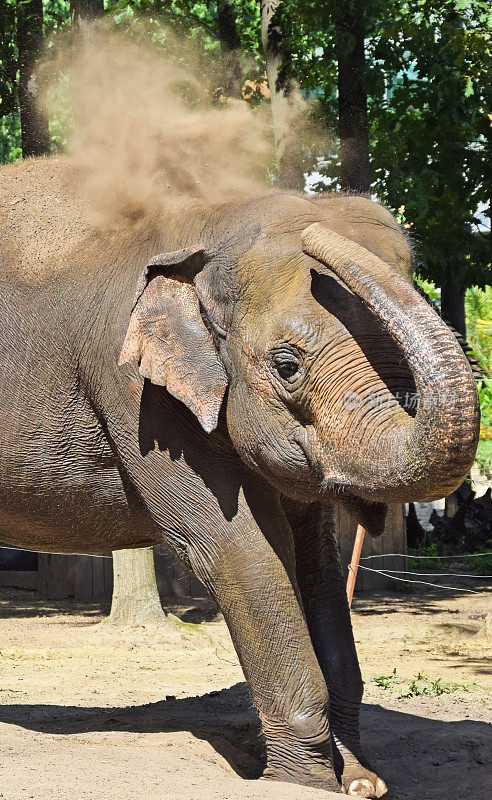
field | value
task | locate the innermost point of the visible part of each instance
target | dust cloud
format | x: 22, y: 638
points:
x: 144, y: 131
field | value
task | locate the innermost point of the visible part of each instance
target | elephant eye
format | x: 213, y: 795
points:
x: 287, y: 370
x: 287, y: 364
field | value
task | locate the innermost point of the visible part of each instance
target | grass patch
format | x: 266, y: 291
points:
x: 189, y: 626
x: 420, y: 685
x: 387, y: 681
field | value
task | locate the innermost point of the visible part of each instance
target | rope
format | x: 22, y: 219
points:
x: 363, y: 558
x: 385, y: 573
x: 435, y: 574
x: 51, y: 553
x: 408, y: 555
x: 426, y: 583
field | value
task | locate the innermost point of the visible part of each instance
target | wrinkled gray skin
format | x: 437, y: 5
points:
x: 258, y: 318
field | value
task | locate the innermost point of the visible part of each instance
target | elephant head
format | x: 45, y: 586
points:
x: 342, y: 381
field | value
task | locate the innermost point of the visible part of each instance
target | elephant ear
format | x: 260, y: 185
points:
x: 168, y: 339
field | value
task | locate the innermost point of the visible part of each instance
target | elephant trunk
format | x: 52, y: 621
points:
x: 424, y: 457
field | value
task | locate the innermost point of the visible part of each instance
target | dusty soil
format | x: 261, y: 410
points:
x: 92, y: 712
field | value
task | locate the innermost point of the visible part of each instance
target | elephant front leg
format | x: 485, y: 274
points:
x: 249, y: 570
x: 324, y: 597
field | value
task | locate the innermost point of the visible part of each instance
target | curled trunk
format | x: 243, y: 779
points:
x: 424, y: 457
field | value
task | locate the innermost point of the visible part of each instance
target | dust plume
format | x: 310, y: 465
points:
x: 145, y: 132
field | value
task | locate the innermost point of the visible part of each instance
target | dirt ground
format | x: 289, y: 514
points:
x: 89, y: 712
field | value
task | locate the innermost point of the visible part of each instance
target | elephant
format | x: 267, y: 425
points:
x: 204, y: 378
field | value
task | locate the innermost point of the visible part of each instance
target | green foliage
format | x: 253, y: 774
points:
x: 478, y: 308
x: 432, y: 561
x: 10, y: 138
x: 485, y: 395
x: 430, y: 130
x: 387, y: 681
x: 194, y: 19
x: 422, y: 685
x: 482, y: 565
x: 432, y: 291
x: 56, y: 14
x: 429, y: 86
x: 197, y: 20
x: 484, y: 457
x: 8, y: 58
x: 309, y: 36
x: 419, y: 686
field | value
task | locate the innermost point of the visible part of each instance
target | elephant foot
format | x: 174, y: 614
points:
x: 357, y: 777
x: 300, y: 750
x: 316, y: 781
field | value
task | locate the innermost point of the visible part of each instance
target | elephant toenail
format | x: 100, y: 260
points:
x: 361, y: 788
x: 381, y: 788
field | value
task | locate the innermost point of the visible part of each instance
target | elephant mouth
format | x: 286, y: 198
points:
x: 335, y: 487
x: 371, y: 515
x: 326, y: 480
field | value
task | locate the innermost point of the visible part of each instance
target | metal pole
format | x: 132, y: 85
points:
x: 354, y: 564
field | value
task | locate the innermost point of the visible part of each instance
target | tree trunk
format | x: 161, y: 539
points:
x: 82, y: 11
x: 453, y: 302
x: 30, y: 41
x: 229, y: 44
x: 285, y: 114
x: 451, y: 505
x: 135, y: 596
x: 352, y: 101
x: 453, y: 311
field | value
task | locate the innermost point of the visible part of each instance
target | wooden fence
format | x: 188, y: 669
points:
x: 89, y: 578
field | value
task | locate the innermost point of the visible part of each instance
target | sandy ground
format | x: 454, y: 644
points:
x: 92, y: 712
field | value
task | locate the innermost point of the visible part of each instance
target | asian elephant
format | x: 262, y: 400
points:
x: 206, y: 379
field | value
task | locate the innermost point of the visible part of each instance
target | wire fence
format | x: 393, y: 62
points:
x: 393, y: 574
x: 51, y: 553
x: 409, y: 555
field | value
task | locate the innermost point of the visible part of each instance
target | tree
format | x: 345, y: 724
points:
x: 430, y: 136
x: 10, y: 134
x: 84, y: 11
x: 290, y: 165
x: 135, y: 598
x: 30, y: 42
x: 353, y: 125
x: 229, y: 44
x: 428, y: 84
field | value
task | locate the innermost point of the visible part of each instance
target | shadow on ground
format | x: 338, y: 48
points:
x: 24, y: 604
x: 418, y: 757
x: 417, y: 599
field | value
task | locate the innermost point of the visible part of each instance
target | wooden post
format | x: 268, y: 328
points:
x: 354, y: 564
